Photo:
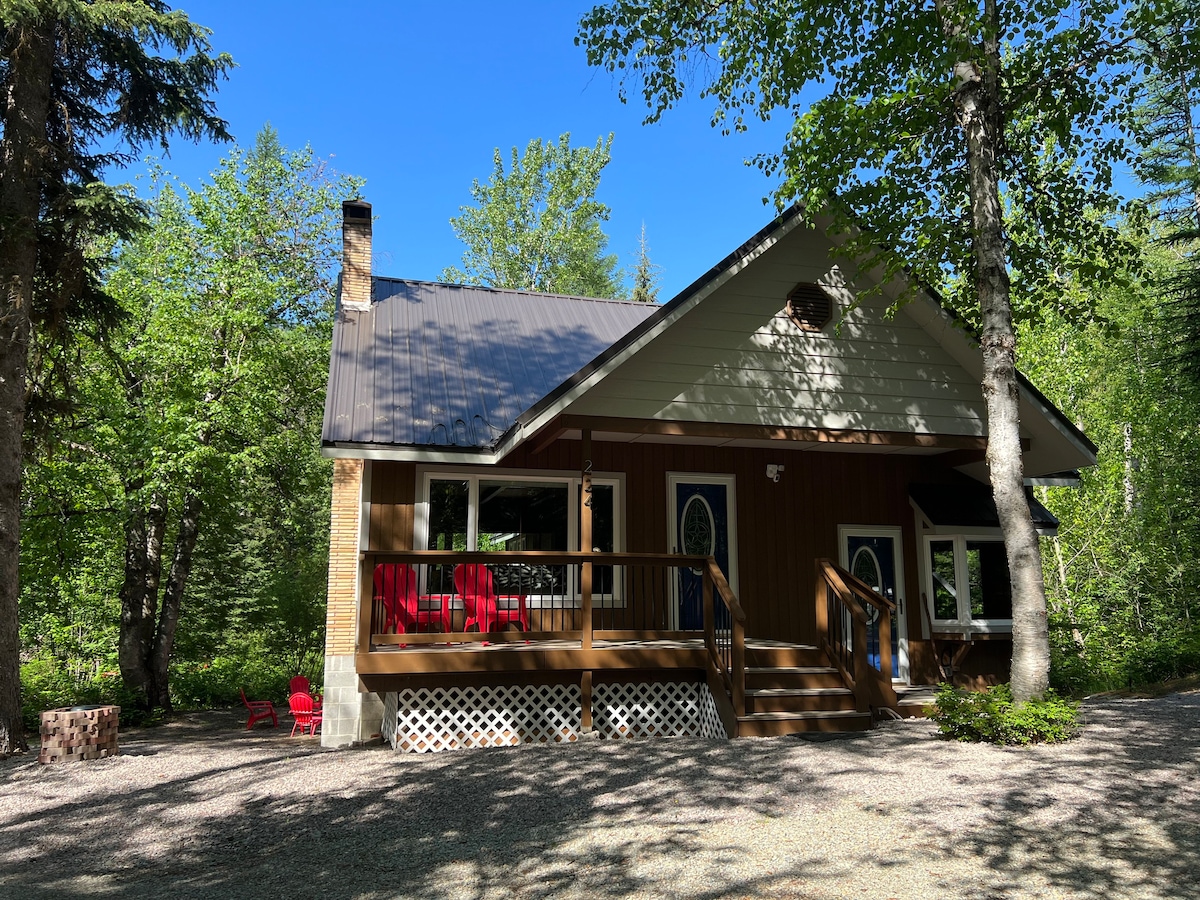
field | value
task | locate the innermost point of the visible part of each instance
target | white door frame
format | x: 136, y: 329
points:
x: 730, y: 482
x: 896, y: 533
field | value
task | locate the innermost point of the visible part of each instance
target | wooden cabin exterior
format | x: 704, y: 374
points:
x: 757, y: 509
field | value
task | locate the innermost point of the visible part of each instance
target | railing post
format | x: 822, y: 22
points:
x: 366, y: 602
x: 710, y: 620
x: 585, y: 542
x: 822, y: 606
x: 862, y: 664
x: 738, y: 667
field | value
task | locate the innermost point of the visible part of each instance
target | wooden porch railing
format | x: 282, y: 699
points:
x: 572, y: 596
x: 725, y: 638
x: 855, y: 625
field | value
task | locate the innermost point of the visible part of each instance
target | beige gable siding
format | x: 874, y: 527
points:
x: 737, y: 358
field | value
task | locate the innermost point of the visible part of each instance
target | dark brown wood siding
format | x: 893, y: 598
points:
x: 393, y: 501
x: 782, y: 527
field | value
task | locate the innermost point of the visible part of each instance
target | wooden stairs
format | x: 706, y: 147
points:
x: 791, y: 689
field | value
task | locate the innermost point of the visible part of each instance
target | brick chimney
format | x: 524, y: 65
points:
x: 356, y: 255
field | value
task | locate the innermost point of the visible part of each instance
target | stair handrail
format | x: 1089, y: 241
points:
x: 726, y: 643
x: 840, y: 589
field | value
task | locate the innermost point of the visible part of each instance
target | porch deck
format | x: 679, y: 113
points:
x: 602, y: 617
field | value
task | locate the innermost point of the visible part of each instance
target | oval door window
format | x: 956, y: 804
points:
x: 865, y: 567
x: 698, y: 528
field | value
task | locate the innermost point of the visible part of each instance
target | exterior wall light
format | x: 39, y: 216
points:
x: 774, y: 471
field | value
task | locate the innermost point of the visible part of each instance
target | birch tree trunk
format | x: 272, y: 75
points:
x: 28, y: 51
x: 977, y: 101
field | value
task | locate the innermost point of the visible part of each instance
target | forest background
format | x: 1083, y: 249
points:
x: 206, y: 395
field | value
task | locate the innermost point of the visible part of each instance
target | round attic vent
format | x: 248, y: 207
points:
x: 809, y: 307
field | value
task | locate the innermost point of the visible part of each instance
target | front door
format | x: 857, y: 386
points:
x: 874, y: 556
x: 701, y: 516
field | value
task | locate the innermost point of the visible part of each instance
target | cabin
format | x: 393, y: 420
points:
x: 760, y: 508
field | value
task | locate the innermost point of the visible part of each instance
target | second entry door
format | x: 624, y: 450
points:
x: 701, y: 517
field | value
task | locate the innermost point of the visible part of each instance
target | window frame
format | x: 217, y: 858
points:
x: 573, y: 482
x: 964, y: 621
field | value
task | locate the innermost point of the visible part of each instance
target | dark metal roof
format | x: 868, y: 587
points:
x: 970, y: 505
x: 454, y: 365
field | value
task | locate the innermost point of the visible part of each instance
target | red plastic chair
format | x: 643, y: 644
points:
x: 259, y: 709
x: 396, y: 586
x: 473, y: 582
x: 301, y: 685
x: 308, y: 718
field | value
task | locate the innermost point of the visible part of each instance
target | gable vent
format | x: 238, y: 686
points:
x: 809, y: 307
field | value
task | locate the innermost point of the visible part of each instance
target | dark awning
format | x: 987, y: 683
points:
x: 970, y: 505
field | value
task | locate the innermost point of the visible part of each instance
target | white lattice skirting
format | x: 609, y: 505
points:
x: 425, y: 720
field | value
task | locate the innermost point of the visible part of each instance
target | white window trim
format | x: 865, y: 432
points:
x: 572, y: 480
x: 964, y: 622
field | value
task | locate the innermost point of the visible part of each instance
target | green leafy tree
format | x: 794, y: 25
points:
x: 932, y: 117
x: 79, y: 78
x: 537, y: 226
x: 1121, y: 582
x: 212, y: 381
x: 645, y: 273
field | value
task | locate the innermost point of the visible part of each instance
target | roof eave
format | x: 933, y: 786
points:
x: 459, y: 455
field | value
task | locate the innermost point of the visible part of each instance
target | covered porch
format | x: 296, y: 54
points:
x: 430, y: 619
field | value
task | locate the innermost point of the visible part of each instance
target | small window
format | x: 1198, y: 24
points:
x: 968, y: 580
x: 810, y: 307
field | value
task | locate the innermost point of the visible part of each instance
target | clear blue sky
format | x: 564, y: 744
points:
x: 413, y: 96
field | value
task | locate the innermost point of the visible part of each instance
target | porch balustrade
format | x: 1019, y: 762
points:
x: 855, y: 626
x: 589, y: 598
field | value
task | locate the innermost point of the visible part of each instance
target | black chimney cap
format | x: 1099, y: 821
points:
x: 356, y: 209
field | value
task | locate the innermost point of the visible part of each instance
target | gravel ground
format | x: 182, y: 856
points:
x: 202, y: 808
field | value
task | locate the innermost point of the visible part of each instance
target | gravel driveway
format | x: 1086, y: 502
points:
x: 202, y: 808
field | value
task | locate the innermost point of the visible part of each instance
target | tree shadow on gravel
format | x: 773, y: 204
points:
x: 259, y: 815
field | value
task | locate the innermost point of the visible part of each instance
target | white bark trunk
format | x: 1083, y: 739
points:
x: 977, y: 99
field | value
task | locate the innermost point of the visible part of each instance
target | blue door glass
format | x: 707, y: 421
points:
x: 873, y: 560
x: 702, y: 527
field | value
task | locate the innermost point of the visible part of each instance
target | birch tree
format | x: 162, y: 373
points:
x: 920, y: 124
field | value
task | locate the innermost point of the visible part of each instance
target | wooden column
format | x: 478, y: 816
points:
x: 585, y: 696
x: 585, y: 543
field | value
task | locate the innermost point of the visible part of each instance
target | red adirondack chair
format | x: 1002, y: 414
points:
x: 301, y: 685
x: 308, y: 718
x: 259, y: 709
x: 396, y: 587
x: 473, y: 582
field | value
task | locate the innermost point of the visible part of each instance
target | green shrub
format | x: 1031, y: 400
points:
x: 992, y: 716
x: 49, y: 683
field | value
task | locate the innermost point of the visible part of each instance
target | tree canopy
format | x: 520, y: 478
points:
x: 930, y: 126
x: 537, y: 226
x: 86, y: 84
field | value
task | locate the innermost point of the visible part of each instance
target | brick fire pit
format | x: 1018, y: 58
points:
x: 79, y: 732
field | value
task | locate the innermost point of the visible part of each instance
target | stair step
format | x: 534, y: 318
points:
x: 769, y: 653
x: 760, y: 677
x: 767, y: 724
x: 762, y: 700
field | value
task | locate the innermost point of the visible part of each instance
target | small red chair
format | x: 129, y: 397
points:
x: 259, y: 709
x: 301, y: 685
x: 473, y: 582
x: 396, y: 587
x: 308, y: 718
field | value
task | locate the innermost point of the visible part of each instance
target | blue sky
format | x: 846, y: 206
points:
x: 413, y: 96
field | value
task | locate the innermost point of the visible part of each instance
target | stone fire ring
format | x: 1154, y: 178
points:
x: 79, y: 732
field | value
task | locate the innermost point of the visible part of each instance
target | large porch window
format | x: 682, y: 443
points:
x: 518, y: 512
x: 969, y: 582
